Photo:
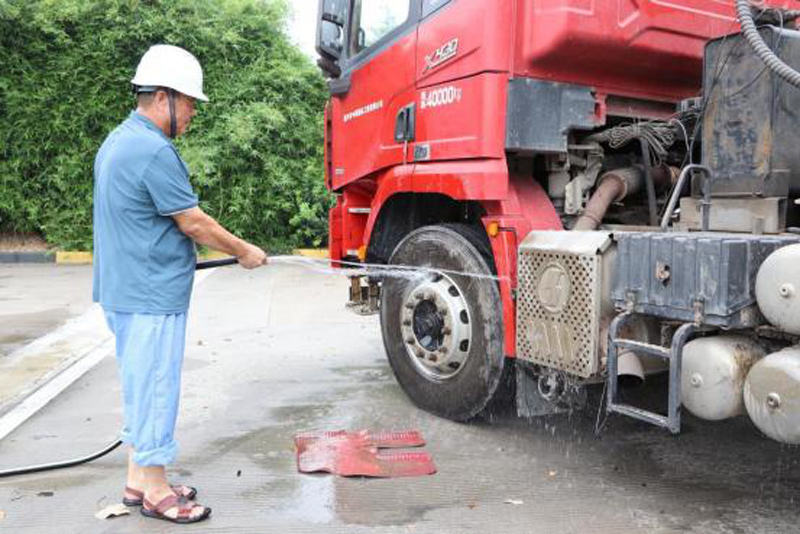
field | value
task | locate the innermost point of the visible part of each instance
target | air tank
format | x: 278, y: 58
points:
x: 713, y: 375
x: 772, y: 395
x: 778, y: 289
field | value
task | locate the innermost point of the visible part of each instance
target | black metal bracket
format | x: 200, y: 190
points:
x: 364, y: 297
x: 674, y: 355
x: 340, y: 86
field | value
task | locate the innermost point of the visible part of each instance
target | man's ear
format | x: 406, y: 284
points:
x: 161, y: 101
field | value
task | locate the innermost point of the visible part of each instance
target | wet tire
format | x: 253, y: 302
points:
x: 477, y: 326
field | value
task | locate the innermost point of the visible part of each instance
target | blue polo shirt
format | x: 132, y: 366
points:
x: 143, y: 263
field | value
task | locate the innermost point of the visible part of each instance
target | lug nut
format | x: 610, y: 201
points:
x: 420, y: 354
x: 411, y: 341
x: 433, y: 358
x: 444, y: 350
x: 419, y: 296
x: 407, y: 322
x: 446, y: 331
x: 410, y: 305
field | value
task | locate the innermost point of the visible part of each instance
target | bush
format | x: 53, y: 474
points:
x: 255, y: 151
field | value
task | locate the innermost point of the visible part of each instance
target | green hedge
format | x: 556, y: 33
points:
x: 255, y: 151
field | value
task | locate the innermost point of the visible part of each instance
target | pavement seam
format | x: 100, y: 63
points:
x: 34, y: 402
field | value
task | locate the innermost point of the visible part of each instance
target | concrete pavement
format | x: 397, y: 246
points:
x: 36, y: 299
x: 273, y: 353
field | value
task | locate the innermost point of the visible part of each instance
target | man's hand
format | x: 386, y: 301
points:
x: 253, y: 257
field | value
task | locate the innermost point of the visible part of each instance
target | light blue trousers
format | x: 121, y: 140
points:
x: 149, y: 358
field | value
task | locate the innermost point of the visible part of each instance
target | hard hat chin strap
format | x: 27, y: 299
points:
x: 173, y: 119
x: 173, y: 122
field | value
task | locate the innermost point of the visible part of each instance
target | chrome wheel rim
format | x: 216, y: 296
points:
x: 437, y: 327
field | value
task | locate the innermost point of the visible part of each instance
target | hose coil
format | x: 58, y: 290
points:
x: 772, y: 61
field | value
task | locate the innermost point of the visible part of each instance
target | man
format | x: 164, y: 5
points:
x: 146, y: 222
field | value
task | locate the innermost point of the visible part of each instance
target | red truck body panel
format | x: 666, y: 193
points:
x: 650, y: 49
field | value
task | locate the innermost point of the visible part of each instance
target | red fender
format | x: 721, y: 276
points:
x: 477, y: 180
x: 526, y: 208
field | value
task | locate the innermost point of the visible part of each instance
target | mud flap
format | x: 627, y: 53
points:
x: 544, y: 392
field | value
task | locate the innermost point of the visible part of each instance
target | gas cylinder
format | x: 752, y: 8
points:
x: 713, y: 375
x: 772, y: 395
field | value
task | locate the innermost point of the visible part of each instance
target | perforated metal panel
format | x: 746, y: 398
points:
x: 559, y: 308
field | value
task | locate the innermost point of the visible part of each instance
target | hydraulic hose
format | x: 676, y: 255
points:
x: 112, y: 446
x: 213, y: 264
x: 652, y: 203
x: 756, y: 42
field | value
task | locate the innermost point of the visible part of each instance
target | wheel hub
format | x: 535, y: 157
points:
x: 436, y: 327
x: 428, y: 326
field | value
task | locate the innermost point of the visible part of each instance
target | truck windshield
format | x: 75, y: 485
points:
x: 374, y: 19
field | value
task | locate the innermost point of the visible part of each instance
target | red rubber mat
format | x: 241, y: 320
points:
x: 382, y: 440
x: 359, y: 454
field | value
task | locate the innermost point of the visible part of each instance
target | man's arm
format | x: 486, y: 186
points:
x: 204, y: 230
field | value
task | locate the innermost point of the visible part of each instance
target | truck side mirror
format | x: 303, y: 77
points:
x: 331, y: 33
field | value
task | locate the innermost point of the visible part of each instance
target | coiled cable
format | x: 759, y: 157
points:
x: 756, y: 42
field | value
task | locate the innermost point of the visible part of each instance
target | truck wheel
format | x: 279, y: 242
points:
x: 443, y: 332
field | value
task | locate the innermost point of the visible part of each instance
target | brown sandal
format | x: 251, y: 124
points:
x: 187, y: 492
x: 184, y: 507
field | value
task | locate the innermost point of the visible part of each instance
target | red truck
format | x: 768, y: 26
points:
x: 591, y: 191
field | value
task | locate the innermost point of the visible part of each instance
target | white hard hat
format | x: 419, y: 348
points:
x: 172, y: 67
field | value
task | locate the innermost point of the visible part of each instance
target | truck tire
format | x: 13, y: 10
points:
x: 443, y: 332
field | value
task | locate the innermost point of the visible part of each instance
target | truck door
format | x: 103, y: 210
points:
x: 377, y: 83
x: 461, y: 72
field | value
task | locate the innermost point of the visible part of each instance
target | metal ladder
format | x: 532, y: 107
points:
x: 674, y: 355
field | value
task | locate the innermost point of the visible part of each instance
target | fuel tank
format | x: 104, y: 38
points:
x: 647, y: 49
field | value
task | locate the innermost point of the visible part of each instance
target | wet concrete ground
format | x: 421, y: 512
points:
x: 274, y: 353
x: 35, y: 299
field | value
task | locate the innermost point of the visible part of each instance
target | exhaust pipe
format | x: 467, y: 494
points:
x: 614, y: 187
x: 630, y: 370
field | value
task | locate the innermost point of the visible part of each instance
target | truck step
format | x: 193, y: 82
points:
x: 643, y: 415
x: 672, y: 420
x: 640, y: 346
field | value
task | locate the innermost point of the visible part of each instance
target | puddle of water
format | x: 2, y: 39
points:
x: 312, y: 501
x: 17, y: 330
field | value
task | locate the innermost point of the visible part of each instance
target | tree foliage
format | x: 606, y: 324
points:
x: 255, y: 151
